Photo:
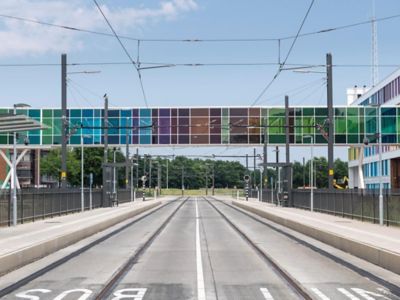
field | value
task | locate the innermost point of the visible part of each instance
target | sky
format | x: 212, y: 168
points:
x: 27, y: 43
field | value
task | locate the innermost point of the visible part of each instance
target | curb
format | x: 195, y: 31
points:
x: 375, y: 255
x: 24, y: 256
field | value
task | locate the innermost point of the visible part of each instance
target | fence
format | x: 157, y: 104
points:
x: 33, y: 204
x: 356, y: 204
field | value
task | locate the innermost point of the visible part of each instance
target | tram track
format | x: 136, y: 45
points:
x: 116, y: 278
x: 42, y: 271
x: 290, y: 281
x: 392, y: 288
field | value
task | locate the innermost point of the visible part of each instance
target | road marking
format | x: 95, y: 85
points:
x: 348, y: 294
x: 86, y: 294
x: 267, y: 295
x: 367, y: 294
x: 201, y: 293
x: 138, y: 294
x: 24, y: 295
x: 320, y: 294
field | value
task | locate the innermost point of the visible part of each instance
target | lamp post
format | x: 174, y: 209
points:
x: 14, y: 167
x: 82, y: 172
x: 311, y: 172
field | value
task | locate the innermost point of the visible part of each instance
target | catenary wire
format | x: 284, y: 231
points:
x: 125, y: 50
x: 286, y: 57
x: 196, y: 40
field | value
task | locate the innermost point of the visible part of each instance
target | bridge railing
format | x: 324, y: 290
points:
x: 361, y: 204
x: 34, y: 204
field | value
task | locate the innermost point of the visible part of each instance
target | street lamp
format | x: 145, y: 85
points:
x: 14, y: 167
x: 82, y: 173
x: 311, y: 172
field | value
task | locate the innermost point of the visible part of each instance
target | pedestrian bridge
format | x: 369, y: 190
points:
x: 163, y: 126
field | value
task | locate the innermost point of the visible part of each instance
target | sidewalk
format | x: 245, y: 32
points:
x: 27, y: 242
x: 379, y: 245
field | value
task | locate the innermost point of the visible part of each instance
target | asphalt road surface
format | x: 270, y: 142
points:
x: 199, y: 248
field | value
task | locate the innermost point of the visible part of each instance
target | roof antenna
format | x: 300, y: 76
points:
x: 375, y: 71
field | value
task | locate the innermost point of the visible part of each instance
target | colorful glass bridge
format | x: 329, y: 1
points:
x: 211, y: 126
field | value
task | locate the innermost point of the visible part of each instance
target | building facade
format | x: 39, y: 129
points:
x: 364, y: 171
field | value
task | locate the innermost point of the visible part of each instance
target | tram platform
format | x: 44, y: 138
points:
x: 25, y: 243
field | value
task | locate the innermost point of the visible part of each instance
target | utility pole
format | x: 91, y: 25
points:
x: 182, y: 181
x: 64, y: 121
x: 137, y: 168
x: 265, y: 160
x: 330, y: 119
x: 288, y: 171
x: 213, y: 178
x: 126, y: 155
x: 104, y: 201
x: 254, y: 168
x: 247, y: 163
x: 206, y: 180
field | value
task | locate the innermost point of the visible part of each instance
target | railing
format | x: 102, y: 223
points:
x: 33, y: 204
x: 355, y: 204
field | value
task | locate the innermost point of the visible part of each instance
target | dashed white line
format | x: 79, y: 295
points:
x: 201, y: 293
x: 267, y: 295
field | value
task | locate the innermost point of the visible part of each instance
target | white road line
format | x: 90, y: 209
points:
x: 201, y: 293
x: 267, y: 295
x: 320, y: 294
x: 348, y: 294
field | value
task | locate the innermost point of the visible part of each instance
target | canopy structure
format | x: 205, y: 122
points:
x: 10, y: 123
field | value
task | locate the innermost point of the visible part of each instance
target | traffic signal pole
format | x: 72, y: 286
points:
x: 330, y: 119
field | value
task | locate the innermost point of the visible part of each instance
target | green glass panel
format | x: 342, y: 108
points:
x: 3, y: 111
x: 340, y: 125
x: 319, y: 139
x: 47, y: 140
x: 298, y: 112
x: 340, y: 138
x: 320, y: 120
x: 308, y: 121
x: 57, y: 139
x: 340, y: 111
x: 389, y: 124
x: 56, y: 126
x: 75, y: 113
x: 307, y: 139
x: 370, y: 124
x: 308, y: 111
x: 298, y: 122
x: 321, y: 111
x: 298, y: 139
x: 225, y: 112
x: 34, y: 113
x: 352, y: 125
x: 277, y: 139
x: 352, y: 111
x: 75, y: 139
x: 34, y: 140
x: 388, y: 111
x: 57, y: 113
x: 370, y: 111
x: 277, y: 112
x: 48, y: 122
x: 47, y: 113
x: 3, y: 139
x: 276, y: 124
x: 352, y: 138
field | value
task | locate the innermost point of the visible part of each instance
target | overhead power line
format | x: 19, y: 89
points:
x: 286, y: 58
x: 197, y: 40
x: 125, y: 50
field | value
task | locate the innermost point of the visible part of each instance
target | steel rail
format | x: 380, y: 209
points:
x: 116, y: 278
x: 394, y: 289
x: 295, y: 285
x: 24, y: 281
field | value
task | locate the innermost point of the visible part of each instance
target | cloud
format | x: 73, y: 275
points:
x: 22, y: 38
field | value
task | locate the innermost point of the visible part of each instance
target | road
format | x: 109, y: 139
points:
x: 197, y: 248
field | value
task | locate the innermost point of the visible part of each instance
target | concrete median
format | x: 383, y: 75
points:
x: 356, y: 245
x: 52, y: 240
